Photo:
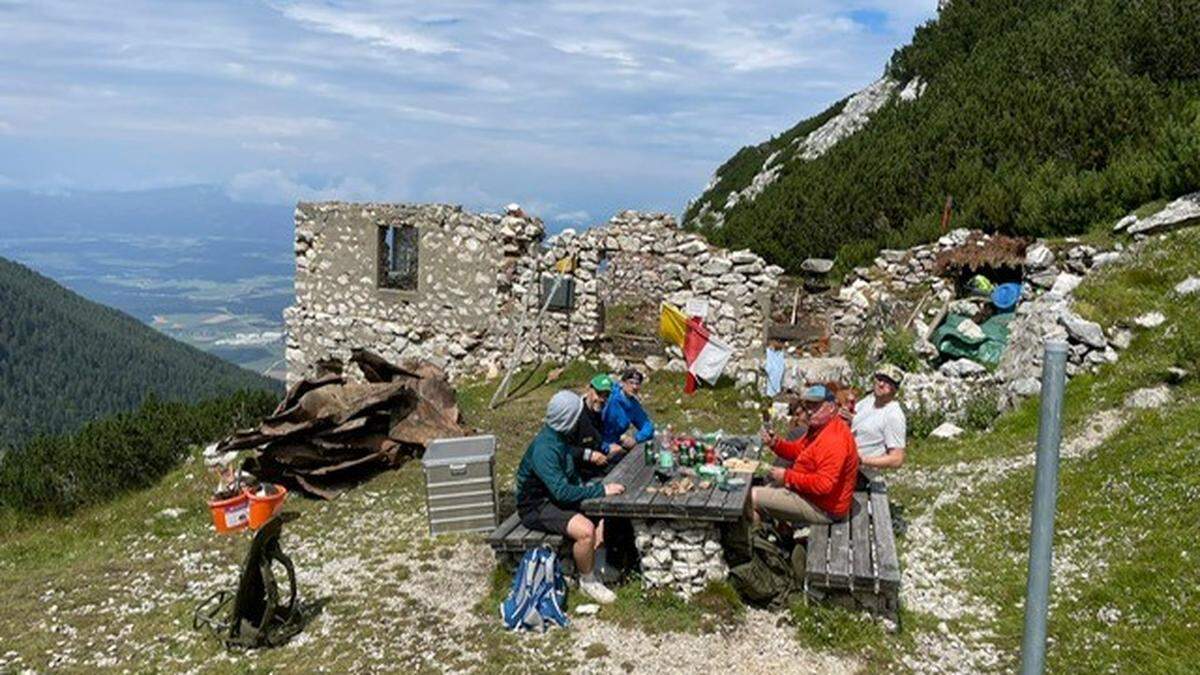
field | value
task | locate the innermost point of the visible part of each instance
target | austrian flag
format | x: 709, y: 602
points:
x: 705, y: 355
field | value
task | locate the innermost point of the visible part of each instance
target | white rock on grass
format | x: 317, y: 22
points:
x: 1188, y: 286
x: 1150, y: 320
x: 1125, y: 222
x: 1065, y: 284
x: 1082, y: 330
x: 1151, y: 397
x: 946, y: 430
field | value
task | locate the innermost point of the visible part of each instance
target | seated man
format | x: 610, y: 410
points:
x: 819, y: 486
x: 879, y: 424
x: 624, y: 410
x: 549, y: 491
x: 595, y: 458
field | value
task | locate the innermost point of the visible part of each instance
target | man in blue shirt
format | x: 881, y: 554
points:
x: 623, y: 410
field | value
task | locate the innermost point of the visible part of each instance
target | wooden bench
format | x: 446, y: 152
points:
x: 511, y: 540
x: 853, y: 563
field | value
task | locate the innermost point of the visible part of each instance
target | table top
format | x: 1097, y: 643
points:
x: 636, y: 502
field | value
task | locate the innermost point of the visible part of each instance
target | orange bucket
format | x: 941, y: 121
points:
x: 230, y: 515
x: 263, y: 507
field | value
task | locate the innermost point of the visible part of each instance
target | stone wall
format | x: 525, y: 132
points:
x: 479, y: 283
x: 676, y: 266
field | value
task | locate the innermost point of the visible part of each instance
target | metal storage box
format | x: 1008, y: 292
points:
x: 460, y: 485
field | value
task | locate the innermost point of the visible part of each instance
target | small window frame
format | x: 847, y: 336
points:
x: 390, y: 275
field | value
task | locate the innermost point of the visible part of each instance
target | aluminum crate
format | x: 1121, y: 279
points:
x: 460, y: 484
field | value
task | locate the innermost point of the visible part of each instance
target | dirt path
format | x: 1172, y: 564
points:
x: 932, y: 575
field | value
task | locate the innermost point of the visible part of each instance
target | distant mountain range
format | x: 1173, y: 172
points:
x: 189, y: 261
x: 179, y: 211
x: 65, y: 360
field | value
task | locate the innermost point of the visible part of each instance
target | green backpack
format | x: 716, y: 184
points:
x: 767, y: 579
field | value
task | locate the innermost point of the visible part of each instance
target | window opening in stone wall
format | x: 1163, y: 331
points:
x: 398, y: 248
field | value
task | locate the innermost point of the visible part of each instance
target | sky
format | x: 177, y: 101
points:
x: 574, y: 109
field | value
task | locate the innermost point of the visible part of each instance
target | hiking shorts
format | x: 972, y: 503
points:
x: 550, y: 517
x: 784, y: 504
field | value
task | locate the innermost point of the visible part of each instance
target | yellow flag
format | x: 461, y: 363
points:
x: 672, y: 324
x: 565, y: 265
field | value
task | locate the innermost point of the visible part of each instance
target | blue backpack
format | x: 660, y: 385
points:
x: 538, y: 597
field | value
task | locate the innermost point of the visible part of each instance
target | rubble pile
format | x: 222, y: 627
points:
x: 330, y: 433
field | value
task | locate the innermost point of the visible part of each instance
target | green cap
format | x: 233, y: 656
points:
x: 602, y: 383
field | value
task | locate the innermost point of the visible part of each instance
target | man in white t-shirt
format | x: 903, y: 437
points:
x: 879, y: 425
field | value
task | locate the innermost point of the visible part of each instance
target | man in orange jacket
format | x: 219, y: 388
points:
x: 819, y: 486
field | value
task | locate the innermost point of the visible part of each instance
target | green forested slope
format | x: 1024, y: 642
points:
x: 1039, y: 117
x: 65, y: 360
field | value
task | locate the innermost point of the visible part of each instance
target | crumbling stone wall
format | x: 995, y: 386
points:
x: 469, y: 268
x: 651, y: 254
x: 479, y: 283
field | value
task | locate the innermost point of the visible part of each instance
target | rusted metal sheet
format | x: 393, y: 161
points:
x: 330, y: 433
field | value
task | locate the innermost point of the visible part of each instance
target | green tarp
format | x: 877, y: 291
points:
x: 951, y: 343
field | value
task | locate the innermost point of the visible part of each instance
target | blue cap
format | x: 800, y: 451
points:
x: 817, y: 392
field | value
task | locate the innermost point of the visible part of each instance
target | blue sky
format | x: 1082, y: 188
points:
x: 575, y: 109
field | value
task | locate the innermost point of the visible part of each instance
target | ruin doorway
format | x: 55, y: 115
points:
x: 629, y: 292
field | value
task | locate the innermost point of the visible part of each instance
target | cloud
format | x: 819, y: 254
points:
x: 273, y: 186
x: 366, y: 28
x: 592, y: 105
x: 578, y: 217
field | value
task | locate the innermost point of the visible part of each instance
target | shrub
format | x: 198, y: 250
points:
x: 898, y: 349
x: 980, y: 411
x: 59, y: 474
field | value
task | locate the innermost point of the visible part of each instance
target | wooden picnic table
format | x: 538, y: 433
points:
x: 709, y: 504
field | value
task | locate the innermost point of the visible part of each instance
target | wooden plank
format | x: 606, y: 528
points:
x: 497, y: 536
x: 860, y: 542
x: 817, y: 565
x: 734, y: 504
x: 885, y: 540
x: 839, y: 553
x: 628, y: 473
x: 633, y: 500
x: 515, y: 541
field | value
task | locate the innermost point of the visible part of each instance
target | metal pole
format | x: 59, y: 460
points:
x: 1045, y: 496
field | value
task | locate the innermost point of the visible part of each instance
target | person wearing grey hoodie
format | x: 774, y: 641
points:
x: 549, y: 491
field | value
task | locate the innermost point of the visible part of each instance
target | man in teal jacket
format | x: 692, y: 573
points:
x: 549, y: 491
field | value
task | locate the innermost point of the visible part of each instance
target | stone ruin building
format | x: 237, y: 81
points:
x: 463, y: 290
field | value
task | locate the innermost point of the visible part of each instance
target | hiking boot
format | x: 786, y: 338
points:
x: 597, y: 591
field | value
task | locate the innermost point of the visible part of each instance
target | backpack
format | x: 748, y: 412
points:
x: 538, y: 597
x: 767, y: 579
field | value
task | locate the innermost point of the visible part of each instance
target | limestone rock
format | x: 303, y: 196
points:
x: 1182, y: 211
x: 1188, y: 286
x: 1125, y: 222
x: 1152, y: 397
x: 946, y: 430
x: 1150, y: 320
x: 1087, y: 332
x: 961, y: 368
x: 1039, y: 256
x: 1065, y: 284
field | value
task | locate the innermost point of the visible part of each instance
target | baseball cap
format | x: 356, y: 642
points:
x: 817, y: 392
x: 602, y: 383
x: 632, y: 375
x: 890, y: 372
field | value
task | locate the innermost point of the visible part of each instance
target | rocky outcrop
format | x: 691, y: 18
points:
x: 854, y: 116
x: 1179, y: 213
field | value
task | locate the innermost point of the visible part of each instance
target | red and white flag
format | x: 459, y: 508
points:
x: 705, y: 355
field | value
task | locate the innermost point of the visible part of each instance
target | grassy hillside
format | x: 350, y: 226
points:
x: 1040, y: 117
x: 1125, y: 581
x: 65, y: 360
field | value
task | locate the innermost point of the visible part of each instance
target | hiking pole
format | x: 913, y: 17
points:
x: 1045, y: 496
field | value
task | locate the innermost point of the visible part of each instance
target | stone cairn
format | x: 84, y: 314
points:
x: 682, y: 555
